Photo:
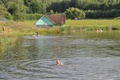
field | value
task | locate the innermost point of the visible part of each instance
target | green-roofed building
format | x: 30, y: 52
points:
x: 50, y: 21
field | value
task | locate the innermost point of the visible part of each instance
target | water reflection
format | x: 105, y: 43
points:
x: 84, y: 58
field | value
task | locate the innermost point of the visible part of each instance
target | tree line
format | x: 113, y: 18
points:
x: 34, y: 9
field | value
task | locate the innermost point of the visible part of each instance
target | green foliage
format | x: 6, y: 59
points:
x: 12, y: 7
x: 23, y: 16
x: 19, y: 17
x: 51, y: 12
x: 117, y: 18
x: 73, y: 13
x: 102, y: 14
x: 2, y: 7
x: 93, y: 8
x: 35, y: 6
x: 35, y: 16
x: 8, y: 16
x: 16, y: 7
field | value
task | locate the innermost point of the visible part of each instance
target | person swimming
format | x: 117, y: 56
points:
x: 58, y: 62
x: 37, y: 34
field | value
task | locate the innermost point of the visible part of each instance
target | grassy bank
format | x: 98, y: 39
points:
x: 16, y: 29
x: 94, y: 24
x: 28, y: 27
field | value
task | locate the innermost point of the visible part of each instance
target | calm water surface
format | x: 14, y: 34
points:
x: 85, y: 57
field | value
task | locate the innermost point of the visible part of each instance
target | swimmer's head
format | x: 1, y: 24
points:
x: 58, y: 62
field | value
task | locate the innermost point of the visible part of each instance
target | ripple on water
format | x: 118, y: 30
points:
x: 40, y: 69
x: 84, y: 59
x: 73, y: 69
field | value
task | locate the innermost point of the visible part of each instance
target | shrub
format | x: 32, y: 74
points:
x: 19, y: 16
x: 102, y: 14
x: 73, y: 13
x: 8, y: 16
x: 35, y: 16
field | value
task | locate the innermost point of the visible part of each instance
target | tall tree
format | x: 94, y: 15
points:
x: 73, y: 13
x: 35, y: 6
x: 74, y: 3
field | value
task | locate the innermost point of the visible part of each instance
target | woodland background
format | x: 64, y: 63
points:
x: 80, y: 9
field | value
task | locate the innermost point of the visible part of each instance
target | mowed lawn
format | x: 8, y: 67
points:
x: 93, y: 22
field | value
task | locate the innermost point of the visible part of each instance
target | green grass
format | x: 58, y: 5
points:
x: 28, y: 27
x: 93, y: 22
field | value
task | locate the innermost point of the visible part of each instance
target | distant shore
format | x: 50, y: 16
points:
x: 28, y: 27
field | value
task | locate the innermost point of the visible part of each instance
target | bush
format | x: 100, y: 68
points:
x: 23, y: 16
x: 35, y: 16
x: 8, y: 16
x: 19, y: 16
x: 102, y: 14
x: 117, y: 18
x: 73, y: 13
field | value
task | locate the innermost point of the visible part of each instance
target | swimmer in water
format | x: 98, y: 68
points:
x: 58, y: 62
x: 37, y: 34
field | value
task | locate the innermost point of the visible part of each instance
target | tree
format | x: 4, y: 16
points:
x: 17, y: 9
x: 19, y: 17
x: 35, y: 6
x: 73, y: 13
x: 74, y: 3
x: 2, y: 8
x: 12, y: 7
x: 8, y: 15
x: 51, y: 12
x: 3, y: 11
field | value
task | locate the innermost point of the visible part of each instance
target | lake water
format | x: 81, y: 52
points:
x: 87, y: 56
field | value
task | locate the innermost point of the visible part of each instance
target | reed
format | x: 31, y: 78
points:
x: 6, y: 40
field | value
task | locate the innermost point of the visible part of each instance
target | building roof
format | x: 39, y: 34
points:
x: 44, y: 20
x: 57, y: 19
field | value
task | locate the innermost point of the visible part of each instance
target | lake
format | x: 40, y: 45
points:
x: 86, y: 56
